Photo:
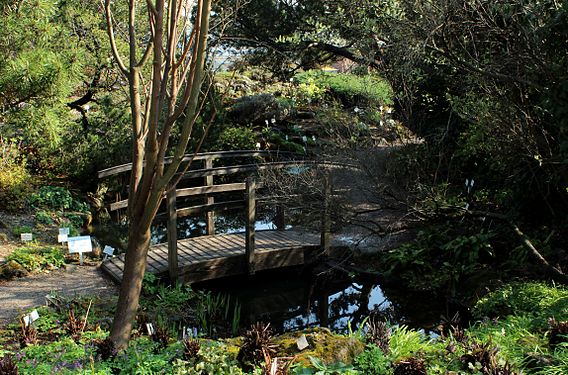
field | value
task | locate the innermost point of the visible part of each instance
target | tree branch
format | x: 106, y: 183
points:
x: 110, y: 32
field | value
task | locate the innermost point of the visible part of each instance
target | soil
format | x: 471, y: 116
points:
x: 74, y: 280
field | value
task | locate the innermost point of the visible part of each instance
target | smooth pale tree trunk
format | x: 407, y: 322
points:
x: 138, y: 245
x: 163, y: 99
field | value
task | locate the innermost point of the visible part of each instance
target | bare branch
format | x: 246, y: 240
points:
x: 110, y: 32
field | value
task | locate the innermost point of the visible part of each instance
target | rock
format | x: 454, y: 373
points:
x: 12, y: 270
x: 257, y: 109
x: 323, y: 344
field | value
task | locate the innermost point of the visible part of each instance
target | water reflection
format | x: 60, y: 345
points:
x: 294, y: 299
x: 196, y: 226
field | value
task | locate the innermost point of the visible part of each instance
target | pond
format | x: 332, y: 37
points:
x: 303, y: 297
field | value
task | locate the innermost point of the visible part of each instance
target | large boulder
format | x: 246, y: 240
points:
x: 256, y: 109
x: 322, y: 344
x: 12, y: 270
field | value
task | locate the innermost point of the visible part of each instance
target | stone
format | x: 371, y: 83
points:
x: 323, y: 344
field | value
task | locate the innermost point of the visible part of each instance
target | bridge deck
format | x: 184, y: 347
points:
x: 210, y: 257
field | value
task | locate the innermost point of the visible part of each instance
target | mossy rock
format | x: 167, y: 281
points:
x: 324, y: 345
x: 12, y: 270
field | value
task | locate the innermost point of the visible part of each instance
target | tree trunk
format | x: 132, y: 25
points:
x: 135, y: 266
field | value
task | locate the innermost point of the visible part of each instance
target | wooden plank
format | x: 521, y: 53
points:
x: 217, y: 207
x: 226, y: 243
x: 213, y: 269
x: 213, y: 246
x: 210, y: 189
x: 118, y: 205
x: 201, y: 248
x: 155, y: 263
x: 193, y: 250
x: 236, y: 240
x: 265, y: 260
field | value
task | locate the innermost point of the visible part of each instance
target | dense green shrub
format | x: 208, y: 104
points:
x: 350, y: 88
x: 236, y: 138
x: 525, y: 298
x: 14, y: 178
x: 438, y: 258
x: 35, y: 258
x: 57, y: 198
x: 372, y: 361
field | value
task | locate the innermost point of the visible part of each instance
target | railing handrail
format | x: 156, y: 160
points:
x: 219, y: 171
x: 117, y: 169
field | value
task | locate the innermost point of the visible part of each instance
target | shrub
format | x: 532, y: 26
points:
x: 350, y: 88
x: 236, y: 138
x: 14, y: 177
x: 43, y: 217
x: 213, y: 358
x: 372, y: 361
x: 57, y: 198
x: 532, y: 298
x: 34, y: 258
x: 404, y: 343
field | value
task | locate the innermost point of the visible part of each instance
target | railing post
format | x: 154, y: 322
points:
x: 210, y: 218
x: 172, y: 234
x: 280, y: 220
x: 326, y: 220
x: 250, y: 224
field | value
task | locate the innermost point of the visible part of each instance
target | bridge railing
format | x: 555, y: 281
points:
x: 207, y: 171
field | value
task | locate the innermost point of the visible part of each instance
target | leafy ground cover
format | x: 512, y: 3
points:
x: 521, y: 328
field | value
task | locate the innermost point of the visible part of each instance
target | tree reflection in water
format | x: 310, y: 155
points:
x: 293, y: 299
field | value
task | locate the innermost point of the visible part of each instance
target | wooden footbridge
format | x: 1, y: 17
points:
x: 218, y: 255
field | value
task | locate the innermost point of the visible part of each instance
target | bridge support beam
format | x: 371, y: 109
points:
x: 172, y: 234
x: 209, y: 199
x: 250, y: 224
x: 325, y: 219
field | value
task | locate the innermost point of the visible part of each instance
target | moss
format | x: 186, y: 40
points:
x: 325, y: 345
x: 233, y: 346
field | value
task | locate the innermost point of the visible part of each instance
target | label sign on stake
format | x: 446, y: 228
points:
x: 63, y: 235
x: 108, y: 252
x: 26, y: 237
x: 81, y: 244
x: 150, y: 329
x: 31, y: 317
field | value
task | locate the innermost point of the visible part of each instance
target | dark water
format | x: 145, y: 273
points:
x: 298, y: 298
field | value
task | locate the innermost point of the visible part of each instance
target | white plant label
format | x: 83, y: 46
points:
x: 64, y: 231
x: 302, y: 343
x: 81, y: 244
x: 62, y: 238
x: 108, y: 250
x: 34, y: 315
x: 150, y: 328
x: 30, y: 318
x: 26, y: 237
